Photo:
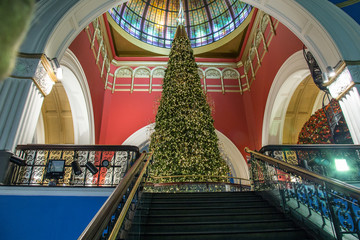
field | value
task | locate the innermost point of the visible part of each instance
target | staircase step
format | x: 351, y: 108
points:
x: 194, y: 227
x: 199, y: 195
x: 209, y: 204
x: 200, y: 216
x: 210, y: 217
x: 202, y: 199
x: 201, y: 210
x: 274, y: 234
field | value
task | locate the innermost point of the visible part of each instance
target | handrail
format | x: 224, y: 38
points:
x: 101, y: 219
x: 77, y: 147
x: 309, y: 147
x: 335, y: 184
x: 122, y: 215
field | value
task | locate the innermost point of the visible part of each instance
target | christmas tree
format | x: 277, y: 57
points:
x: 184, y: 141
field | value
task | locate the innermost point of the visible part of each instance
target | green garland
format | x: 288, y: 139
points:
x: 184, y: 141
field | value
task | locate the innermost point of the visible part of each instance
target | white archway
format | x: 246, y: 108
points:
x: 78, y: 92
x: 287, y: 79
x: 56, y: 23
x: 311, y: 21
x: 141, y: 138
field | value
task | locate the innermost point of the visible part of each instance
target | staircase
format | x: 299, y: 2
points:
x: 227, y: 215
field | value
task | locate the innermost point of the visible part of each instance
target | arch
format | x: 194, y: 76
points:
x: 141, y: 72
x: 141, y: 138
x: 148, y: 70
x: 230, y: 70
x: 287, y: 79
x: 124, y: 71
x: 156, y: 72
x: 310, y: 21
x: 214, y: 73
x: 78, y: 92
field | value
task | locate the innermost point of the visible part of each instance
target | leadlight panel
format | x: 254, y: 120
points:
x: 155, y: 21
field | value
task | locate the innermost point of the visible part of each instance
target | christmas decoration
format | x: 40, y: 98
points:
x: 317, y: 129
x: 184, y: 141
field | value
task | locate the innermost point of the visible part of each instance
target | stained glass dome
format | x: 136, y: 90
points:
x: 155, y: 21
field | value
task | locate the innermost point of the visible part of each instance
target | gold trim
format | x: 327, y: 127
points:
x: 47, y: 65
x: 345, y: 91
x: 119, y: 221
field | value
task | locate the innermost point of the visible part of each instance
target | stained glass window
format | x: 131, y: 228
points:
x: 155, y: 21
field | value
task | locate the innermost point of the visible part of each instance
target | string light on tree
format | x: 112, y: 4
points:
x: 184, y: 141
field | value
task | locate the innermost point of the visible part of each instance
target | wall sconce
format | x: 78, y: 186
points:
x: 91, y: 167
x: 57, y: 68
x: 330, y: 71
x: 76, y: 167
x: 17, y: 160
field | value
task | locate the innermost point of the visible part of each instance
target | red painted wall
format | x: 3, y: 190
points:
x: 81, y: 48
x: 239, y: 117
x: 283, y: 45
x: 125, y: 113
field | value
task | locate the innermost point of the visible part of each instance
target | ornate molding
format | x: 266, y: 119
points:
x: 38, y: 68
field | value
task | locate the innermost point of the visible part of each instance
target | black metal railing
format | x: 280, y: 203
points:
x: 320, y: 159
x: 328, y: 206
x: 72, y: 165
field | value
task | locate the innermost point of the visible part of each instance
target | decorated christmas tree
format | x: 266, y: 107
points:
x: 184, y: 141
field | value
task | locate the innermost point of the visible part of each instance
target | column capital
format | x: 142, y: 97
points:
x: 38, y: 68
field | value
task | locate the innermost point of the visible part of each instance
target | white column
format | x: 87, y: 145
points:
x: 21, y: 98
x: 345, y: 87
x: 350, y: 104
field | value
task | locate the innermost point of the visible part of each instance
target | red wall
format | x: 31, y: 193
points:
x: 239, y: 117
x: 81, y: 48
x: 282, y: 46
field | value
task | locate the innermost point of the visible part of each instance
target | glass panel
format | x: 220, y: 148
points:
x: 155, y: 21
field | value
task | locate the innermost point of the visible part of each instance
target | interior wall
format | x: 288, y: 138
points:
x: 78, y: 92
x: 57, y: 117
x: 239, y: 117
x: 81, y: 48
x: 283, y: 45
x: 299, y: 110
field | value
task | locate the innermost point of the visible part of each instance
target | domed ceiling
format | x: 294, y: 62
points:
x: 154, y: 21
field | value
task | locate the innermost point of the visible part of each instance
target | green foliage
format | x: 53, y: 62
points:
x: 15, y: 18
x: 184, y: 141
